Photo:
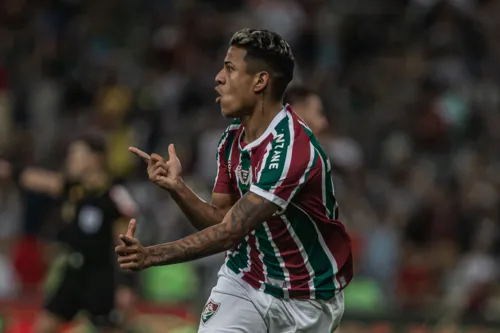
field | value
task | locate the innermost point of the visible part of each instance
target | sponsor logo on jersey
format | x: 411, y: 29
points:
x: 209, y: 311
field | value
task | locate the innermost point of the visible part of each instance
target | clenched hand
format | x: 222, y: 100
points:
x: 131, y: 254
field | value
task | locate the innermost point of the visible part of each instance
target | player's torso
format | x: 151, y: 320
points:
x: 87, y: 220
x: 285, y: 256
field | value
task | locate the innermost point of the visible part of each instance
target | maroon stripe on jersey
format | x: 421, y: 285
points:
x: 301, y: 152
x: 292, y: 258
x: 220, y: 188
x: 251, y: 281
x: 339, y: 243
x: 256, y: 273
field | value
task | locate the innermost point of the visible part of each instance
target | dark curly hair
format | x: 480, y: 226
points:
x: 268, y: 51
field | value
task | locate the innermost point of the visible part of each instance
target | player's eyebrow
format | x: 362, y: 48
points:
x: 227, y: 63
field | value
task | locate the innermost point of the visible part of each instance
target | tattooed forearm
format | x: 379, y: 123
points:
x: 246, y: 215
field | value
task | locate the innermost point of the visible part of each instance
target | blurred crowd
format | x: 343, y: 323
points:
x: 411, y: 92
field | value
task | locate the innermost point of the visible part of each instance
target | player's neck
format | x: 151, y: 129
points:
x: 256, y: 124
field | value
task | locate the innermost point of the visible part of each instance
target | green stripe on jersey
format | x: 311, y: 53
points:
x: 271, y: 262
x: 230, y: 140
x: 329, y: 200
x: 272, y: 169
x: 308, y: 236
x: 274, y: 291
x: 239, y: 261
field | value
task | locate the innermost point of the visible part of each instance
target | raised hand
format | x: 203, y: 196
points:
x: 166, y: 174
x: 131, y: 254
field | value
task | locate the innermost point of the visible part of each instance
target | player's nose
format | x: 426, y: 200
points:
x: 219, y: 78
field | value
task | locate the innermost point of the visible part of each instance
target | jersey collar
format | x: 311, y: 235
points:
x: 277, y: 119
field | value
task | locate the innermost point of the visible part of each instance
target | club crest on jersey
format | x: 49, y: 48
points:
x: 209, y: 310
x: 244, y: 176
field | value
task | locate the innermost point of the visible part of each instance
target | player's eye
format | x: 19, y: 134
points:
x: 229, y: 69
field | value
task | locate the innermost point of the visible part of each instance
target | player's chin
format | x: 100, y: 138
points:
x: 227, y: 111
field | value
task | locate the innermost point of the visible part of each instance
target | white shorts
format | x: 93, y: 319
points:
x: 236, y: 307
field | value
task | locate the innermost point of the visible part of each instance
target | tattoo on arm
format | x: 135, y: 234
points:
x: 247, y: 214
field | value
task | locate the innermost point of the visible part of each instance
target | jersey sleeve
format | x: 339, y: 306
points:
x: 223, y: 177
x: 285, y: 168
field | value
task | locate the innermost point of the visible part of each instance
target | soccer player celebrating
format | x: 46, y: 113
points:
x: 273, y: 206
x: 92, y: 210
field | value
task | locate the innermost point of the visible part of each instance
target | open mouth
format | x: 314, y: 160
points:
x: 217, y: 100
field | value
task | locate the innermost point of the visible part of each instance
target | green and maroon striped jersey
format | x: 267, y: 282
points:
x: 303, y: 251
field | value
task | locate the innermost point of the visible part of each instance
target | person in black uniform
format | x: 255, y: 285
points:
x: 92, y: 210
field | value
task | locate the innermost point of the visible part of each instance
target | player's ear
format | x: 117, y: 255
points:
x: 261, y: 82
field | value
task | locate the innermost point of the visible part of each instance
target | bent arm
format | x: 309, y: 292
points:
x: 246, y: 215
x: 202, y: 214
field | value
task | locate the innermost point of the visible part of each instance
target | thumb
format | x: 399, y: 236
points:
x: 171, y: 152
x: 131, y: 228
x: 128, y: 241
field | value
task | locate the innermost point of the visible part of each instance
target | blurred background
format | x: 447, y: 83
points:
x: 411, y: 90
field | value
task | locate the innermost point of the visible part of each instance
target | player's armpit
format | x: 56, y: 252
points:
x: 41, y: 180
x: 246, y: 215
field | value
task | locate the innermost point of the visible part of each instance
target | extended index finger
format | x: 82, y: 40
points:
x: 140, y: 153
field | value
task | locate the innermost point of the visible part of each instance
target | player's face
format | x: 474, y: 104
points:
x: 236, y: 88
x: 311, y: 111
x: 80, y: 159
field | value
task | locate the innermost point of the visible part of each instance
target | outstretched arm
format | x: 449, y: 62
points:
x: 35, y: 179
x: 43, y: 181
x: 246, y: 215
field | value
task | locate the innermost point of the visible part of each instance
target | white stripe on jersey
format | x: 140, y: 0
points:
x: 305, y: 257
x: 264, y: 161
x: 264, y: 267
x: 312, y: 151
x: 259, y: 174
x: 289, y: 152
x: 277, y: 253
x: 230, y: 146
x: 323, y: 187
